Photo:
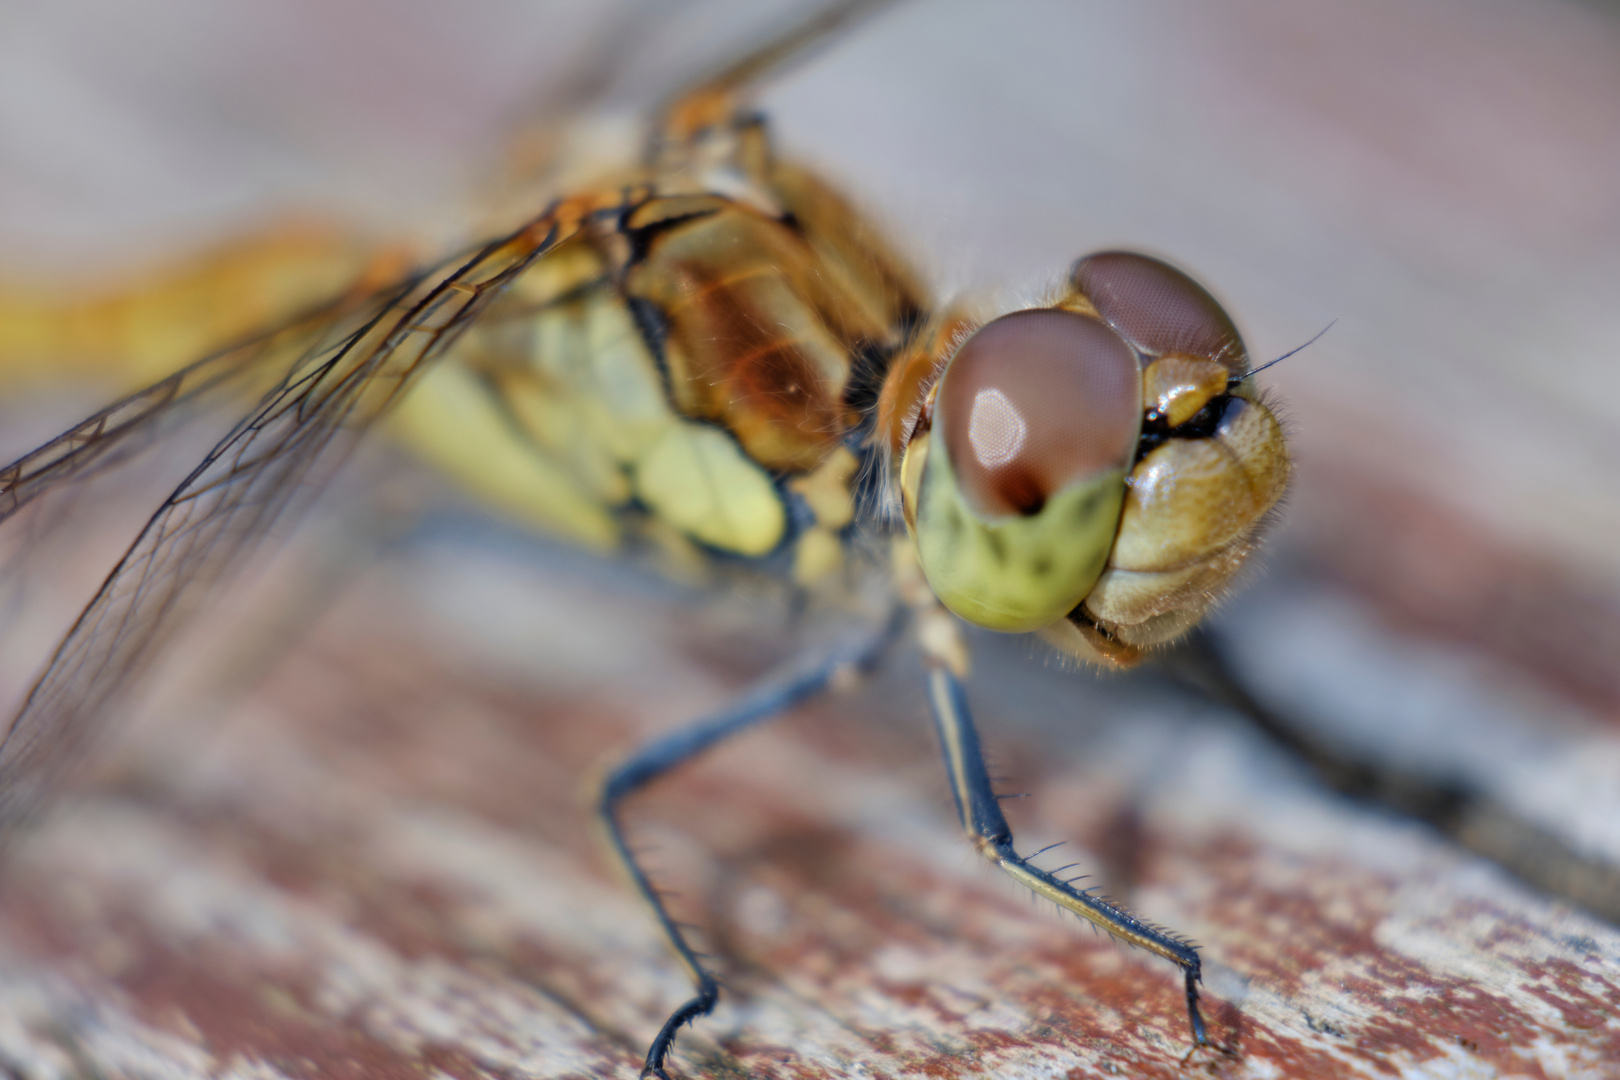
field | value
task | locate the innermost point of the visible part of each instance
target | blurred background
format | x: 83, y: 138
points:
x: 1440, y: 180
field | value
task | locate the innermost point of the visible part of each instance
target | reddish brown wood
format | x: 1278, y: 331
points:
x: 383, y: 864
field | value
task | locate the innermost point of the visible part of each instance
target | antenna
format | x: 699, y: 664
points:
x: 1286, y: 355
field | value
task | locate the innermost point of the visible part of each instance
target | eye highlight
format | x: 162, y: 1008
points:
x: 1158, y: 309
x: 1034, y: 402
x: 996, y: 429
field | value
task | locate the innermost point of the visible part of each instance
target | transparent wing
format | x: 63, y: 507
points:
x: 111, y: 436
x: 333, y: 375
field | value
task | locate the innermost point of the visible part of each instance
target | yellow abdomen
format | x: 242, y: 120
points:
x: 142, y: 329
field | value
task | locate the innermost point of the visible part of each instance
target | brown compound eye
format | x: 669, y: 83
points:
x: 1032, y: 403
x: 1158, y: 309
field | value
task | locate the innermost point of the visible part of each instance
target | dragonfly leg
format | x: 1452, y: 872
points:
x: 770, y: 699
x: 987, y: 827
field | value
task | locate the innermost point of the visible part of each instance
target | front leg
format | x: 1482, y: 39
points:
x: 987, y: 827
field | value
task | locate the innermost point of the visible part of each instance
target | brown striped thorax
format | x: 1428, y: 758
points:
x: 723, y: 362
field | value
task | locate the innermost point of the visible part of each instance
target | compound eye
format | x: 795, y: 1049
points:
x: 1159, y: 309
x: 1033, y: 403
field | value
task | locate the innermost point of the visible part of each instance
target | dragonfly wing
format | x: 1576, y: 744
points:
x: 114, y: 434
x: 328, y: 394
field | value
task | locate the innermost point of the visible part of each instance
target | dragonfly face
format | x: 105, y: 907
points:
x: 1096, y: 468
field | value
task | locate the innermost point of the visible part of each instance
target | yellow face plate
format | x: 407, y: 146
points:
x: 1023, y: 572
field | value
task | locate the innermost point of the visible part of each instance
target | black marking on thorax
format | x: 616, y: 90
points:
x: 642, y: 239
x: 650, y: 320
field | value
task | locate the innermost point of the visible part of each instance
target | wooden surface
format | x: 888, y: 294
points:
x: 377, y: 860
x: 381, y: 863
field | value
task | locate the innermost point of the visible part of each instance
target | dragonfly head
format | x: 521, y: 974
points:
x: 1095, y: 469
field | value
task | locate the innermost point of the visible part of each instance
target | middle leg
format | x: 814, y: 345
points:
x: 772, y: 698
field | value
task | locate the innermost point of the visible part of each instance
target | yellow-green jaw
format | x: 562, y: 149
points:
x: 1017, y: 573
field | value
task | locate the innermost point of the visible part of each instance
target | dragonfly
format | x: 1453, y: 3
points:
x: 710, y: 357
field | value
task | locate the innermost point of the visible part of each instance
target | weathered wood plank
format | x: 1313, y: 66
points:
x: 384, y: 865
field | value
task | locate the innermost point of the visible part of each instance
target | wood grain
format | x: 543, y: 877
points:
x: 383, y: 863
